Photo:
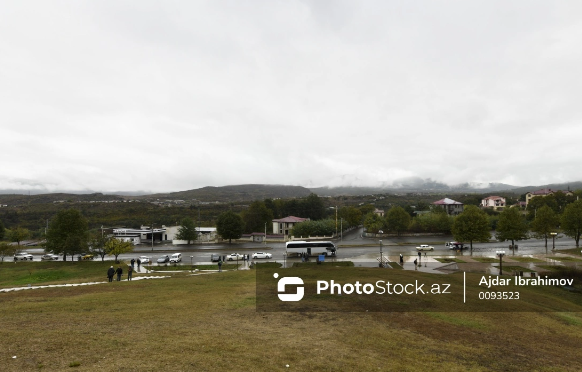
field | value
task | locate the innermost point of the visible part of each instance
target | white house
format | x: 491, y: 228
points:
x: 495, y: 202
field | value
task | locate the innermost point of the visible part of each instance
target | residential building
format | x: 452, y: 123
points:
x: 495, y: 202
x: 284, y: 225
x: 379, y: 212
x: 451, y: 206
x: 544, y: 192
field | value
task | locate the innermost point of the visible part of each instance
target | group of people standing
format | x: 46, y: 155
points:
x: 111, y: 272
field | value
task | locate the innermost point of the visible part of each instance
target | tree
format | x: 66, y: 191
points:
x: 18, y: 234
x: 187, y: 230
x: 373, y: 223
x: 115, y: 247
x: 67, y: 233
x: 313, y: 207
x: 546, y: 222
x: 314, y: 228
x: 229, y: 225
x: 397, y: 219
x: 257, y: 217
x: 571, y: 221
x: 471, y: 225
x: 351, y: 215
x: 97, y: 244
x: 511, y: 226
x: 7, y: 249
x: 2, y: 230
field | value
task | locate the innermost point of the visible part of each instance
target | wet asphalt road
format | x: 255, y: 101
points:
x: 351, y: 246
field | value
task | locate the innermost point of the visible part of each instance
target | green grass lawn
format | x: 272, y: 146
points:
x: 572, y: 251
x: 486, y: 259
x: 524, y: 259
x: 449, y: 260
x: 565, y: 259
x: 507, y: 268
x: 53, y: 272
x: 210, y: 323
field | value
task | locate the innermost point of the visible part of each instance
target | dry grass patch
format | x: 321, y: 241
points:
x: 209, y: 323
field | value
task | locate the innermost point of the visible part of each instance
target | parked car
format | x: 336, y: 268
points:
x: 176, y: 257
x: 262, y: 255
x: 23, y: 256
x: 86, y: 256
x: 234, y: 256
x: 49, y: 257
x: 215, y: 257
x: 144, y: 259
x: 425, y: 247
x: 163, y: 259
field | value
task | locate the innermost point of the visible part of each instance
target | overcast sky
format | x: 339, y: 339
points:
x: 177, y: 95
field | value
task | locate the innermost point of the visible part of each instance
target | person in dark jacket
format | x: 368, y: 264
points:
x: 119, y: 272
x: 129, y: 272
x: 110, y: 273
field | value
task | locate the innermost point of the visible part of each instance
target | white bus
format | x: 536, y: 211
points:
x: 310, y: 248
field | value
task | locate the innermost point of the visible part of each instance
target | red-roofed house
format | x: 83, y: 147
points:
x: 495, y: 202
x: 451, y: 206
x: 283, y: 225
x: 544, y: 192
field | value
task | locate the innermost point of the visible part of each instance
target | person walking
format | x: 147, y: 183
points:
x: 138, y: 264
x: 415, y: 263
x: 401, y: 260
x: 119, y: 272
x: 132, y: 263
x: 219, y: 266
x: 110, y: 273
x: 129, y: 272
x: 419, y: 255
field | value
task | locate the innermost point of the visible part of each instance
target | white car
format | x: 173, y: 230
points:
x: 49, y: 257
x: 144, y: 259
x: 425, y: 247
x: 234, y: 257
x: 262, y: 255
x: 23, y: 256
x: 176, y: 257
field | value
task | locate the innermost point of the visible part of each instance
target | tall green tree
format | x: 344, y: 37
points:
x: 229, y: 225
x: 571, y: 221
x: 397, y: 219
x: 511, y: 226
x: 7, y: 249
x: 187, y: 230
x: 256, y: 217
x: 115, y: 247
x: 373, y: 223
x: 351, y: 215
x: 97, y: 244
x: 67, y: 233
x: 18, y: 234
x: 313, y: 207
x: 471, y: 226
x: 546, y: 222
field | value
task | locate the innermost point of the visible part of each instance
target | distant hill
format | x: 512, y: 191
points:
x: 420, y: 187
x: 572, y: 186
x: 235, y: 193
x: 21, y: 199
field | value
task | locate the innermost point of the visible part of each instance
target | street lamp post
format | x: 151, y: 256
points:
x: 553, y: 240
x: 500, y: 254
x: 192, y: 264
